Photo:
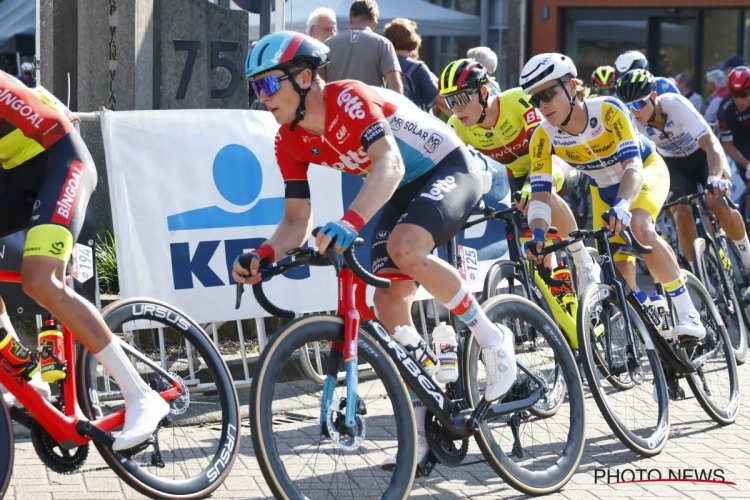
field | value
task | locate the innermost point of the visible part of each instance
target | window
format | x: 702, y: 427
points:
x: 747, y: 34
x: 719, y: 37
x: 497, y: 39
x: 446, y: 47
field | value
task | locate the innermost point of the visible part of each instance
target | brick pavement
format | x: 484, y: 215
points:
x: 695, y: 442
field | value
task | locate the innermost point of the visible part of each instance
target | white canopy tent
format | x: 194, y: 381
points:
x: 432, y: 20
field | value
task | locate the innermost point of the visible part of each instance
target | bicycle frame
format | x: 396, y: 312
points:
x: 66, y: 427
x: 702, y: 230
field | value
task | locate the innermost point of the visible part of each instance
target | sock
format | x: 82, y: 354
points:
x: 466, y: 308
x: 579, y: 254
x: 680, y: 298
x: 5, y: 323
x: 743, y: 246
x: 420, y: 411
x: 134, y: 390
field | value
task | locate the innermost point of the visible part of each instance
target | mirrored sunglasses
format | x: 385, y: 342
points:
x: 545, y: 95
x: 460, y: 99
x: 639, y: 104
x: 741, y: 95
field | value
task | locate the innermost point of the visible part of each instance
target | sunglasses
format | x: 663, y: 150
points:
x: 741, y: 95
x: 545, y: 95
x: 460, y: 99
x: 638, y: 105
x: 271, y: 84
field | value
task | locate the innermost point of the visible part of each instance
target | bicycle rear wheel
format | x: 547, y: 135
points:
x: 7, y: 447
x: 300, y: 458
x: 716, y: 384
x: 195, y: 446
x: 550, y: 443
x: 710, y: 268
x: 640, y: 422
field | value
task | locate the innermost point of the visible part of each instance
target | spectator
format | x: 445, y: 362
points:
x: 357, y: 53
x: 487, y: 58
x: 686, y: 85
x: 716, y: 86
x: 420, y: 84
x: 321, y: 24
x: 27, y: 75
x: 731, y: 63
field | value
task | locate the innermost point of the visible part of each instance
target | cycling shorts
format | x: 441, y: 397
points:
x: 686, y: 173
x: 653, y: 194
x: 439, y: 201
x: 48, y: 194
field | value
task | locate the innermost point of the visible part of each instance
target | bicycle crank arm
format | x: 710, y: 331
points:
x: 86, y: 428
x: 487, y: 411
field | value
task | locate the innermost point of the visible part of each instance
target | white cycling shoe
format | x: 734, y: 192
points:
x: 141, y: 421
x: 500, y: 365
x: 39, y: 385
x: 389, y: 463
x: 588, y: 275
x: 689, y: 325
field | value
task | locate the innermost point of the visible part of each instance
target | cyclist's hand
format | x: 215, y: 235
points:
x: 523, y: 203
x: 242, y: 275
x: 619, y: 216
x: 340, y: 233
x: 534, y: 246
x: 719, y: 185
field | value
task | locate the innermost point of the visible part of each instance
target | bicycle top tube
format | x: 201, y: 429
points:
x: 10, y: 277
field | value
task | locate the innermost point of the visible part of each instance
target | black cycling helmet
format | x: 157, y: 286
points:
x: 635, y: 85
x: 465, y: 75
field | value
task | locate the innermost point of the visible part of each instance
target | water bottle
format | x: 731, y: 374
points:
x: 52, y: 352
x: 662, y: 309
x: 562, y: 273
x: 409, y: 338
x: 23, y: 362
x: 446, y: 347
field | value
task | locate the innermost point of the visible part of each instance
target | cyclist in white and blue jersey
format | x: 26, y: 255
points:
x: 633, y: 59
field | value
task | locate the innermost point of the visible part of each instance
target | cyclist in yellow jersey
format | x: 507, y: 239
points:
x: 629, y: 178
x: 500, y: 126
x: 603, y: 80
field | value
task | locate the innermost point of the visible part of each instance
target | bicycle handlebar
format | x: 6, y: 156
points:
x: 686, y: 200
x: 307, y: 257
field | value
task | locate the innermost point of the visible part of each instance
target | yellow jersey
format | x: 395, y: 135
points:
x: 508, y: 140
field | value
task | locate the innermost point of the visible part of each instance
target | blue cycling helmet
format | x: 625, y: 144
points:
x: 283, y: 50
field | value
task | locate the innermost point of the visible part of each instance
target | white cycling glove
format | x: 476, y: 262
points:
x: 719, y: 183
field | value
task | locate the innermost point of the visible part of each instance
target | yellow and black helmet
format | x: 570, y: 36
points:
x: 635, y: 85
x: 462, y: 75
x: 603, y: 76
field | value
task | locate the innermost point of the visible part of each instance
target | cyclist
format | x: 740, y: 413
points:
x: 419, y: 176
x: 632, y: 59
x: 500, y: 127
x: 603, y: 80
x: 47, y: 178
x: 629, y: 179
x: 691, y: 151
x: 734, y: 120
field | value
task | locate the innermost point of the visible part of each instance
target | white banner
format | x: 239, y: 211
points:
x: 192, y: 189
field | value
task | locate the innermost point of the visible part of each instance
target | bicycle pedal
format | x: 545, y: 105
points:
x: 427, y: 466
x: 686, y: 341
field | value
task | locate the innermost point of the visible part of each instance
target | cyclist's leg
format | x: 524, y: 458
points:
x: 432, y: 219
x: 62, y: 199
x: 733, y: 225
x: 683, y: 181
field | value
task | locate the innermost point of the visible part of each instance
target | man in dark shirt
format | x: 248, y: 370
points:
x: 734, y: 119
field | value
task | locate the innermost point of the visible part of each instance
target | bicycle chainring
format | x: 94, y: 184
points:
x: 442, y: 444
x: 178, y: 405
x: 348, y: 439
x: 53, y: 455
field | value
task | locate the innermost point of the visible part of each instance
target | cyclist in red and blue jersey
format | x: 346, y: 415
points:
x: 420, y: 177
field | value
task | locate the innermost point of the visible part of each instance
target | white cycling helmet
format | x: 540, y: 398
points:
x: 545, y: 68
x: 27, y: 67
x: 629, y: 60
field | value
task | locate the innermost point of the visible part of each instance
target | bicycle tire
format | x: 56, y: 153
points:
x: 701, y: 251
x: 504, y: 270
x: 7, y: 448
x: 644, y: 446
x: 525, y: 481
x: 228, y: 445
x: 278, y: 350
x: 722, y: 416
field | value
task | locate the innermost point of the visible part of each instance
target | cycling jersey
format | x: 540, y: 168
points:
x: 665, y: 86
x: 508, y: 139
x: 31, y: 120
x: 609, y: 139
x: 683, y: 126
x: 356, y: 115
x: 734, y: 125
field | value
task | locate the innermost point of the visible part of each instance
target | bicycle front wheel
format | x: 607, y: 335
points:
x: 195, y: 446
x: 636, y: 406
x: 535, y: 451
x: 300, y: 456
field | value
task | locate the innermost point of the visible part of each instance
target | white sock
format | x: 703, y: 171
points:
x: 420, y: 411
x: 579, y: 254
x: 134, y: 390
x: 680, y: 297
x: 5, y: 323
x: 743, y: 246
x: 468, y: 310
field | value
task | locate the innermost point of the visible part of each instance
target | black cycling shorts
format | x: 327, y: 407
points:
x: 439, y: 201
x: 686, y: 173
x: 49, y: 194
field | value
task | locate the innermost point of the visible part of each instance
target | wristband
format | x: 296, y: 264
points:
x: 265, y: 251
x: 539, y: 234
x: 354, y: 220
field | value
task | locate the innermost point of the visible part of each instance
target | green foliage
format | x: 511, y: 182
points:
x: 106, y: 263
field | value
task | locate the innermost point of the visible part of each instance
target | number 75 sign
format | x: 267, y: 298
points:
x: 216, y: 60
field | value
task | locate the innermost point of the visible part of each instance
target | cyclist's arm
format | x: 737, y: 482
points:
x: 717, y: 161
x: 734, y: 154
x: 294, y: 228
x: 541, y: 179
x: 384, y: 177
x: 630, y: 185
